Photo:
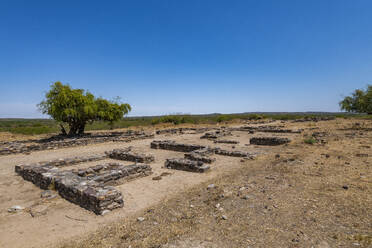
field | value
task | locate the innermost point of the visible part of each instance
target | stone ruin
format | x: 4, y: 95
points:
x: 58, y: 141
x: 182, y: 130
x: 173, y: 146
x: 215, y: 134
x: 267, y: 129
x: 127, y: 155
x: 227, y: 141
x: 269, y: 141
x: 89, y: 188
x: 186, y: 165
x: 241, y: 154
x: 199, y: 157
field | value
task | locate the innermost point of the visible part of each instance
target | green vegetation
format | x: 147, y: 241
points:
x: 77, y: 107
x: 359, y: 102
x: 43, y: 126
x: 310, y: 141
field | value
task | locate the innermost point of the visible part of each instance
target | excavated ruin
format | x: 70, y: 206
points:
x: 269, y: 141
x: 89, y: 188
x: 127, y: 155
x: 186, y: 165
x: 173, y: 146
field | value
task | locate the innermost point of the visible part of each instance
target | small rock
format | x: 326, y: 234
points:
x: 224, y: 217
x: 345, y: 187
x: 211, y: 186
x: 241, y: 188
x: 277, y: 156
x: 246, y: 197
x: 157, y: 178
x: 48, y: 194
x: 218, y: 205
x: 38, y: 210
x: 105, y: 212
x: 140, y: 219
x: 15, y: 208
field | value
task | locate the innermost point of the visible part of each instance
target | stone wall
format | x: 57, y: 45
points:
x: 57, y: 142
x: 182, y: 130
x: 227, y: 141
x: 173, y: 146
x: 215, y: 134
x: 90, y: 188
x: 269, y: 141
x: 127, y: 155
x: 199, y: 157
x: 268, y: 129
x: 186, y: 165
x: 222, y: 152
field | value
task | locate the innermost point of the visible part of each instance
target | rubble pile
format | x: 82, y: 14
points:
x: 186, y: 165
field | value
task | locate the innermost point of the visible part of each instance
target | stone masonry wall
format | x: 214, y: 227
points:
x: 173, y: 146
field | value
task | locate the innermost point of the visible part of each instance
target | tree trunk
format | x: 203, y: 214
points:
x: 81, y: 128
x: 63, y: 130
x: 73, y: 129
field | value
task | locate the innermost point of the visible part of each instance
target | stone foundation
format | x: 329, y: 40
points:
x: 127, y: 155
x: 186, y: 165
x: 88, y: 188
x: 182, y: 130
x: 216, y: 134
x: 269, y: 141
x: 57, y: 142
x: 173, y: 146
x: 199, y: 157
x: 268, y: 129
x: 227, y: 141
x: 222, y: 152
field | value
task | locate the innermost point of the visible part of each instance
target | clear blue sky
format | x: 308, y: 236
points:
x: 189, y: 56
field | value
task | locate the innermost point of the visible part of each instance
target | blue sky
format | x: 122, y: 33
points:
x: 187, y: 56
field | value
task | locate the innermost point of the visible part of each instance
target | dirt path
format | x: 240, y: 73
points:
x: 63, y: 220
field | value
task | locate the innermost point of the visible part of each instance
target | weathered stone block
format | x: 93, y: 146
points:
x: 173, y: 146
x: 186, y: 165
x: 269, y: 141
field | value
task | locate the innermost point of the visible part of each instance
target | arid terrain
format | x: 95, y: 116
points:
x: 315, y: 191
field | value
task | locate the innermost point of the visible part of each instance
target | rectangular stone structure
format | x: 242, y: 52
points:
x: 127, y: 155
x: 223, y: 152
x: 227, y: 141
x: 186, y: 165
x: 269, y: 141
x: 173, y: 146
x: 199, y: 157
x: 90, y: 188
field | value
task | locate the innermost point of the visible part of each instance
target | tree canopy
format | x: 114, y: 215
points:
x: 360, y: 101
x: 77, y: 107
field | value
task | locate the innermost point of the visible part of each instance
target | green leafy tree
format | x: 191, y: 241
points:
x: 77, y: 108
x: 360, y: 101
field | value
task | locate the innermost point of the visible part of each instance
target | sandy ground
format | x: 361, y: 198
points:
x: 65, y: 221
